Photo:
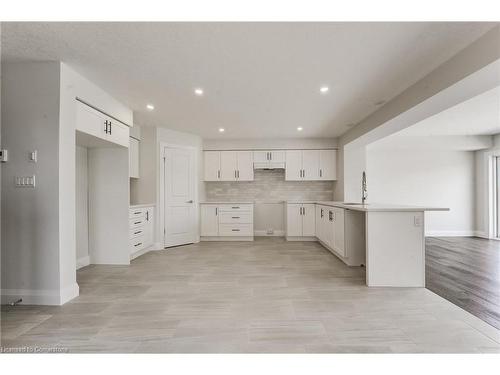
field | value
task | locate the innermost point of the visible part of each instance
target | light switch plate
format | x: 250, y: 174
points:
x: 25, y: 181
x: 417, y: 221
x: 33, y: 155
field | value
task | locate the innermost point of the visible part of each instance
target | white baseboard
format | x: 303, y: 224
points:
x: 263, y: 233
x: 292, y: 238
x: 222, y: 239
x: 82, y: 262
x: 157, y: 246
x: 450, y: 233
x: 40, y: 297
x: 481, y: 234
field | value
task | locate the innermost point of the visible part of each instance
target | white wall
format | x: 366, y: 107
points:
x: 82, y: 218
x: 30, y: 235
x: 426, y: 177
x: 484, y: 189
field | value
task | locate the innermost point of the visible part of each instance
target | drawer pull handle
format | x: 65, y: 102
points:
x: 235, y: 230
x: 235, y: 217
x: 139, y: 231
x: 138, y: 244
x: 138, y: 222
x: 137, y: 212
x: 235, y: 207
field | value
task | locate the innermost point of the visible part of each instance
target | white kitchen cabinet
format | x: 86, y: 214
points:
x: 244, y: 171
x: 293, y: 168
x: 209, y: 220
x: 269, y: 159
x: 338, y: 243
x: 141, y: 221
x: 327, y: 164
x: 95, y: 123
x: 228, y: 166
x: 211, y: 161
x: 300, y: 220
x: 310, y: 165
x: 133, y: 158
x: 232, y: 222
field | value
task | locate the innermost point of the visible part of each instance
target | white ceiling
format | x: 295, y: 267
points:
x: 260, y: 79
x: 479, y: 115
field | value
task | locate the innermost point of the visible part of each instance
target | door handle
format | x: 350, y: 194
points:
x: 189, y: 201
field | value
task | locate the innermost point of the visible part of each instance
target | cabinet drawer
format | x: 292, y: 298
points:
x: 236, y: 217
x: 136, y: 213
x: 136, y: 244
x: 137, y: 222
x: 235, y: 207
x: 235, y: 230
x: 136, y: 232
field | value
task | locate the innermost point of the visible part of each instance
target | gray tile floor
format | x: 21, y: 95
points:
x: 267, y: 296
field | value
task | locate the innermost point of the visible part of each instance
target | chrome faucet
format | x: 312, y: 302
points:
x: 364, y: 191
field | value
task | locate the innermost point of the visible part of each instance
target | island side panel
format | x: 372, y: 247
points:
x: 395, y: 249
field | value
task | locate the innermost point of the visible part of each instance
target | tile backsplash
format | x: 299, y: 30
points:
x: 269, y: 185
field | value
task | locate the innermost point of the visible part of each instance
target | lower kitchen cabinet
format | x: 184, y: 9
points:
x: 221, y: 221
x: 300, y: 221
x: 141, y: 234
x: 342, y: 232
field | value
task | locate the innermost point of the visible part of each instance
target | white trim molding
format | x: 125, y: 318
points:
x: 450, y: 233
x: 40, y: 297
x: 263, y: 233
x: 82, y: 262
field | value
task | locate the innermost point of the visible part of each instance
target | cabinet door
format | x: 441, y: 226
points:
x: 338, y: 237
x: 308, y: 220
x: 118, y: 133
x: 89, y: 121
x: 209, y: 220
x: 149, y: 227
x: 133, y: 158
x: 228, y: 165
x: 278, y: 156
x: 321, y: 214
x: 261, y: 159
x: 293, y: 220
x: 327, y: 164
x: 329, y: 227
x: 310, y: 165
x: 293, y: 166
x: 211, y: 165
x: 245, y: 166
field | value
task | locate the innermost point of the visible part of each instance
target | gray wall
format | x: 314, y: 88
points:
x: 269, y: 185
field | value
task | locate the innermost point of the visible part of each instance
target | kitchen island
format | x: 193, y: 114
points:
x: 394, y: 239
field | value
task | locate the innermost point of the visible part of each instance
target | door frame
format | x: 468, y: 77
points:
x: 161, y: 191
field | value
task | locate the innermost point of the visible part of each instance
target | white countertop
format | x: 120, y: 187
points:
x: 227, y: 202
x: 373, y: 206
x: 142, y: 205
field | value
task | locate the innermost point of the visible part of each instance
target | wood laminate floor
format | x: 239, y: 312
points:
x: 267, y: 296
x: 466, y: 271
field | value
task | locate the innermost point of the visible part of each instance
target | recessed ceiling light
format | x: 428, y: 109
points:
x: 150, y: 107
x: 222, y: 130
x: 300, y: 128
x: 324, y: 89
x: 198, y: 91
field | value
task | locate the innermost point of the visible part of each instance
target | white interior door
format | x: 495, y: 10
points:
x: 179, y: 190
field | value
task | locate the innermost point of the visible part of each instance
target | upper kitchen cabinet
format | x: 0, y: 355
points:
x: 327, y: 164
x: 228, y: 165
x: 310, y: 165
x: 92, y: 122
x: 269, y: 159
x: 211, y: 162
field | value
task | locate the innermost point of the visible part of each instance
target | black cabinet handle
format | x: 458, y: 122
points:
x: 147, y: 215
x: 235, y: 207
x: 138, y: 244
x: 110, y: 129
x: 235, y: 230
x: 216, y: 211
x: 235, y: 217
x: 139, y: 231
x: 138, y: 222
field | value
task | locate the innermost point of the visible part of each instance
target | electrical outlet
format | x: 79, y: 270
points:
x: 33, y: 155
x: 25, y: 181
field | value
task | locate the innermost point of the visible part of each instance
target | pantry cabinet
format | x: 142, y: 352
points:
x: 92, y: 122
x: 300, y: 220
